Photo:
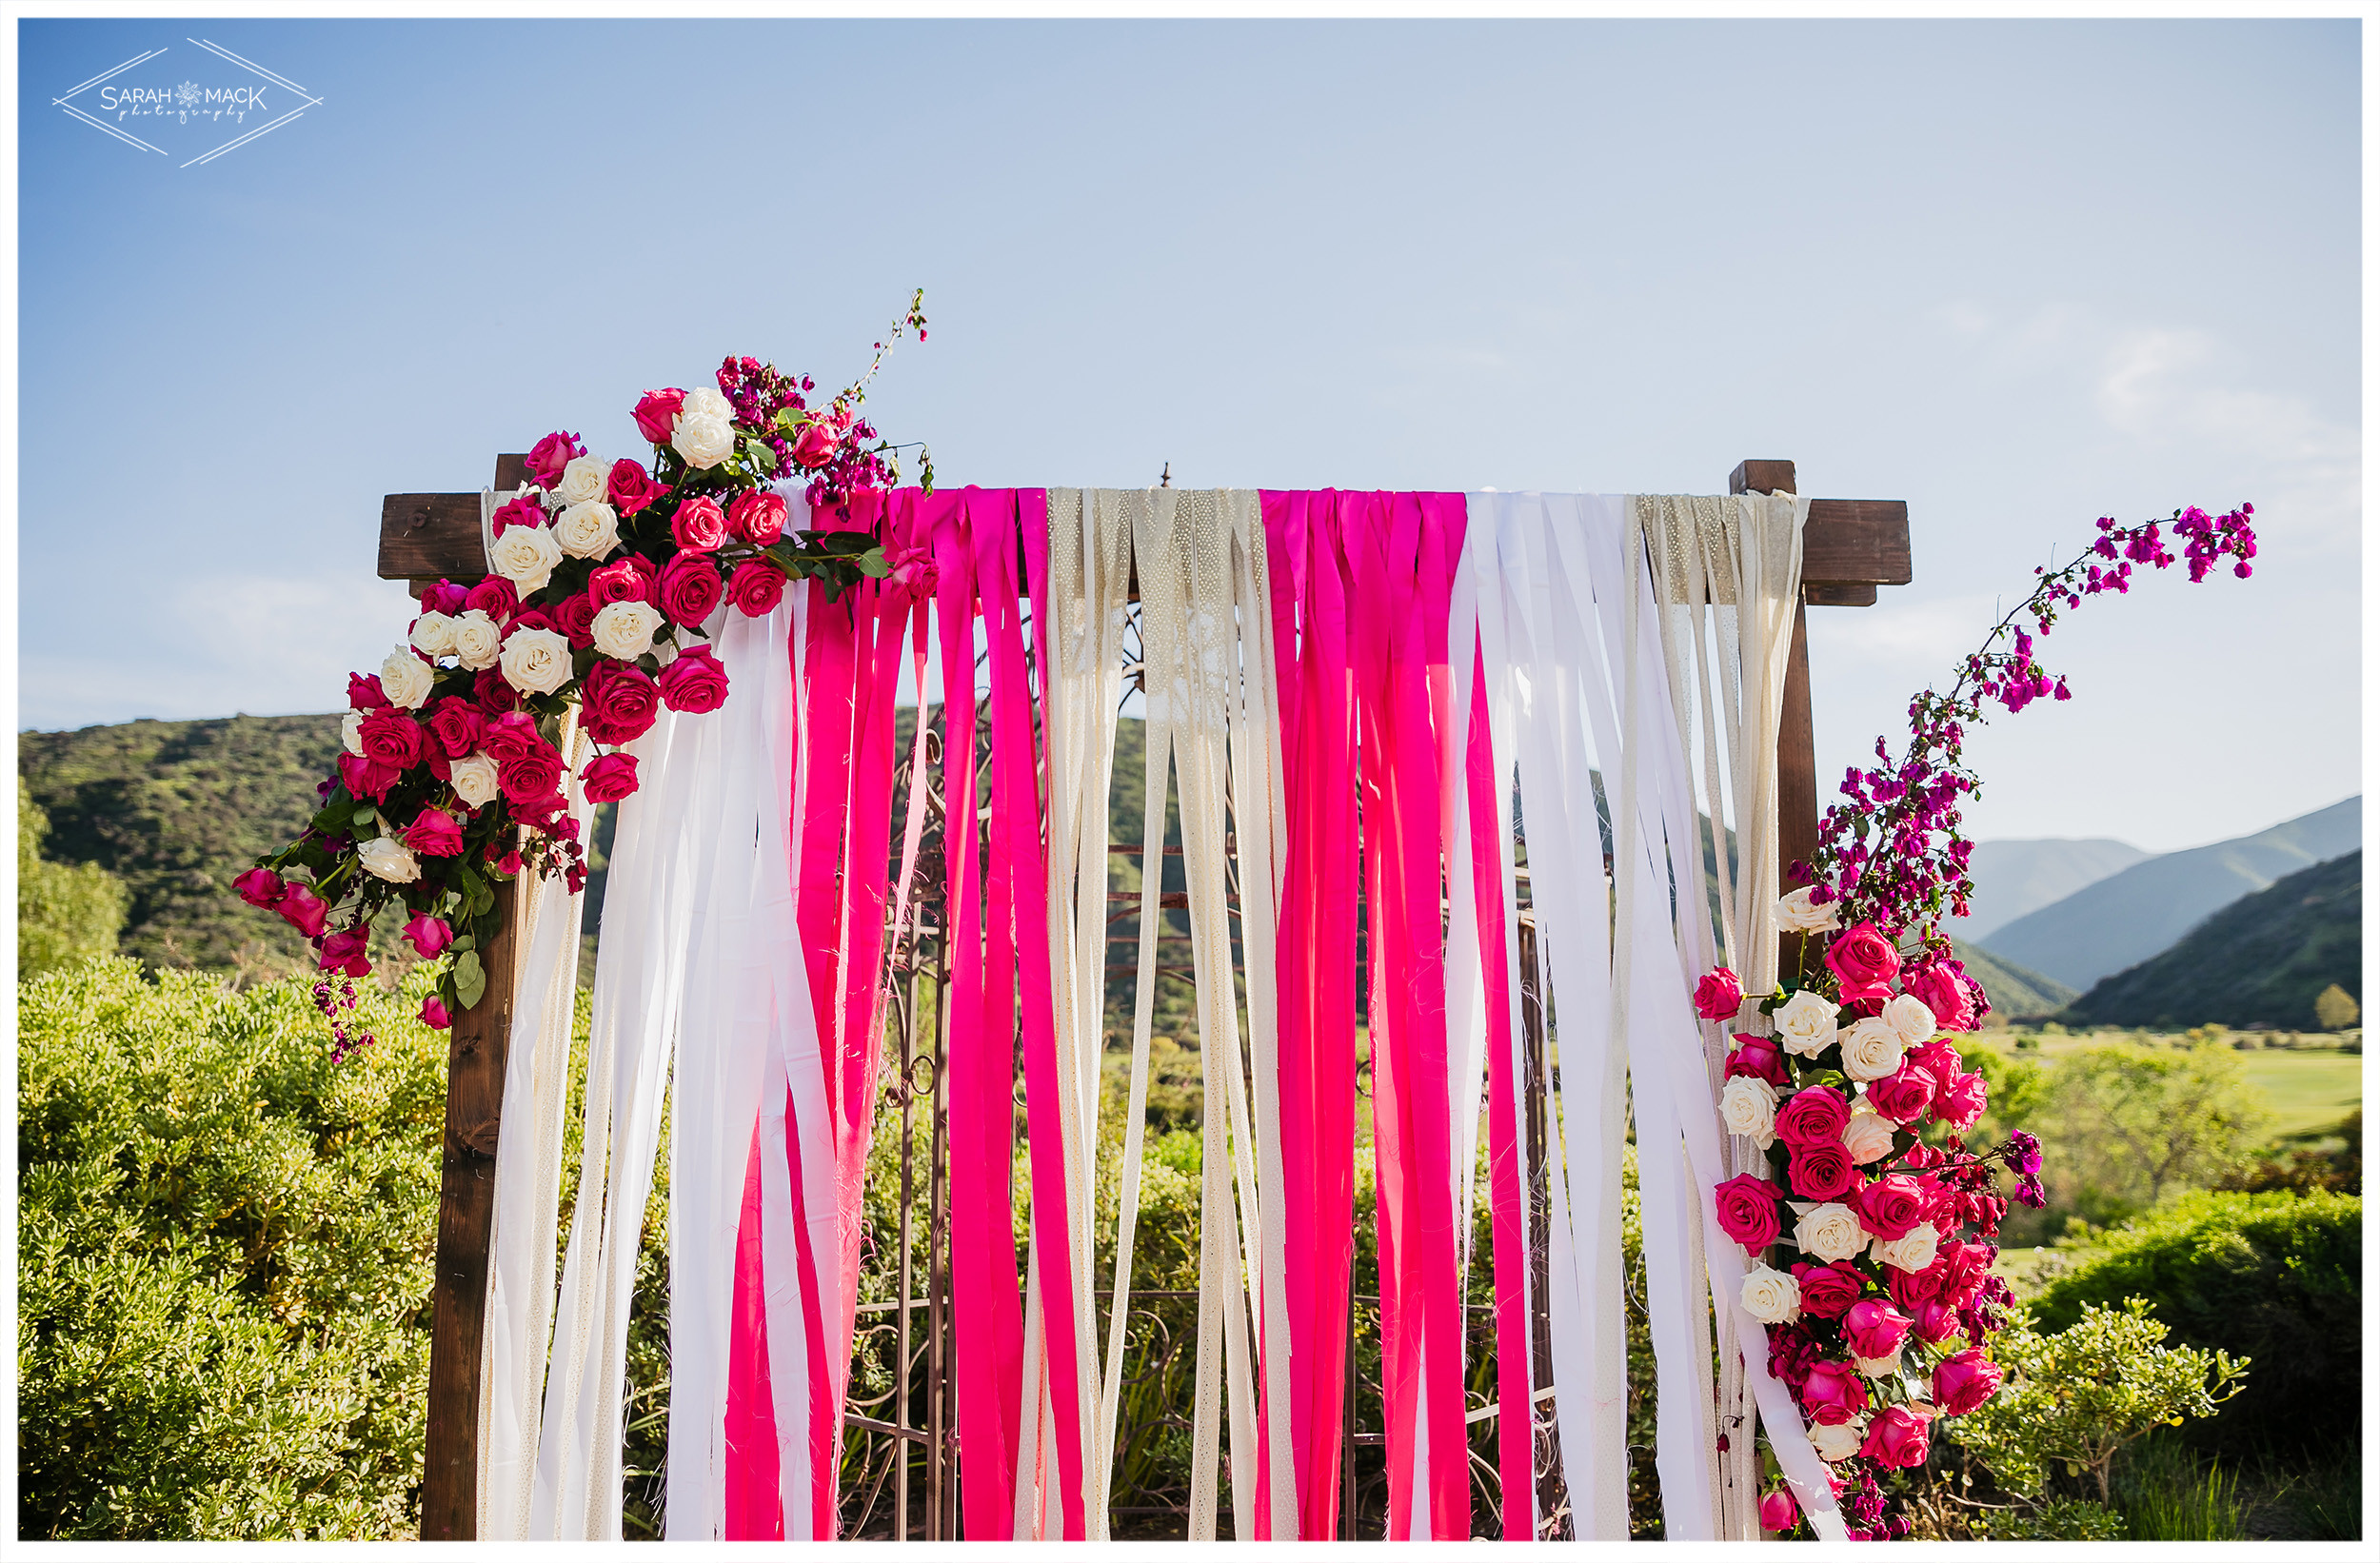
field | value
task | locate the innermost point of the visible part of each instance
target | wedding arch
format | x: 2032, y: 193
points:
x: 1674, y: 630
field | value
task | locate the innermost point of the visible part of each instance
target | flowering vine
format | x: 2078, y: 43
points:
x: 1860, y: 1097
x: 606, y: 574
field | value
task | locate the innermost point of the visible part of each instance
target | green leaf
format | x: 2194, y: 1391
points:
x: 873, y: 564
x: 471, y: 981
x: 364, y: 814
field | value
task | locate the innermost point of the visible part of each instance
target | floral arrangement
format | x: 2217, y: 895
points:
x: 605, y: 574
x: 1874, y: 1231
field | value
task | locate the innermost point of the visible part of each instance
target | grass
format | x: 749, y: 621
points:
x: 2308, y: 1092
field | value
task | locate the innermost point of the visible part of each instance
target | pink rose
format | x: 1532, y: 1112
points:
x: 530, y: 619
x: 1961, y: 1102
x: 1965, y: 1381
x: 366, y: 777
x: 695, y: 682
x: 913, y: 569
x: 434, y: 834
x: 1942, y: 988
x: 344, y: 951
x: 1747, y: 1211
x: 1897, y: 1439
x: 618, y: 702
x: 261, y: 888
x: 1827, y: 1290
x: 551, y: 454
x: 529, y: 778
x: 1822, y: 1171
x: 525, y: 511
x: 609, y: 778
x: 364, y: 692
x: 1718, y: 994
x: 303, y: 909
x: 689, y: 588
x: 1758, y: 1057
x: 1865, y: 961
x: 512, y: 733
x: 435, y: 1013
x: 1914, y: 1289
x: 628, y: 580
x: 1904, y: 1096
x: 493, y: 694
x: 496, y: 597
x: 657, y: 414
x: 458, y: 726
x: 700, y: 526
x: 631, y: 489
x: 429, y: 936
x: 1936, y: 1322
x: 757, y: 517
x: 574, y: 616
x: 1833, y: 1394
x: 444, y: 596
x: 814, y: 447
x: 391, y: 737
x: 1891, y: 1207
x: 1813, y: 1116
x: 1938, y: 1058
x: 1778, y: 1512
x: 756, y: 588
x: 1875, y: 1328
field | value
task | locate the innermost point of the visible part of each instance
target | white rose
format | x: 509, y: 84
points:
x: 1797, y: 914
x: 1839, y: 1440
x: 434, y: 633
x: 526, y: 556
x: 1869, y: 1134
x: 704, y: 441
x: 536, y: 662
x: 588, y: 529
x: 1805, y: 1023
x: 474, y: 778
x: 1770, y: 1295
x: 625, y: 629
x: 703, y: 402
x: 1829, y: 1232
x: 585, y: 478
x: 390, y: 859
x: 1872, y: 1049
x: 1909, y: 1018
x: 1878, y: 1367
x: 352, y: 732
x: 1748, y: 1107
x: 477, y: 639
x: 1913, y: 1252
x: 404, y: 679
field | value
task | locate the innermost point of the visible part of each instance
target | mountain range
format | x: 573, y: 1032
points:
x: 2124, y: 918
x: 2014, y: 878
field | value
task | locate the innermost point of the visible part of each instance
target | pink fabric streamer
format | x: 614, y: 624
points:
x: 1365, y: 698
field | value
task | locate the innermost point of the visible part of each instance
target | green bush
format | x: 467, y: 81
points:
x: 2271, y: 1277
x: 64, y: 912
x: 2059, y: 1519
x: 224, y: 1260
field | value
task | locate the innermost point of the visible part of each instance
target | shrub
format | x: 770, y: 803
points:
x: 2275, y: 1277
x: 224, y: 1260
x: 2059, y: 1519
x: 65, y: 913
x: 2335, y: 1008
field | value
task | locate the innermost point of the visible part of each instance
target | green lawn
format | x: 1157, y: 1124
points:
x: 2308, y: 1092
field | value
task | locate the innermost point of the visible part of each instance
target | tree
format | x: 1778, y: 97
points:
x: 2335, y: 1008
x: 2127, y: 1125
x: 65, y: 913
x: 2077, y: 1398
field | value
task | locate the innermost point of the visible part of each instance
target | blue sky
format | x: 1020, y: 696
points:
x: 2018, y: 274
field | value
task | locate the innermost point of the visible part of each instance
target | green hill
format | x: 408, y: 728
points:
x: 2258, y: 961
x: 2016, y: 994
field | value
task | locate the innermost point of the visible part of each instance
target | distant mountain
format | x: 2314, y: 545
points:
x: 2015, y: 993
x: 2257, y: 961
x: 2125, y: 918
x: 2014, y: 878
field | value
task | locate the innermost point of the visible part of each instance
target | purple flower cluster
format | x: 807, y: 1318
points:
x: 333, y: 1003
x: 1891, y: 852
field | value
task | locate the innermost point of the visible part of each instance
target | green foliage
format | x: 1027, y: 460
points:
x: 2056, y: 1520
x: 2335, y: 1008
x: 65, y: 913
x: 2260, y: 961
x: 178, y: 809
x: 2272, y: 1276
x: 2074, y: 1400
x: 2123, y: 1126
x: 224, y: 1260
x: 2167, y: 1495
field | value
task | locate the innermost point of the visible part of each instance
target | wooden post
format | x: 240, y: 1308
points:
x: 476, y: 1050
